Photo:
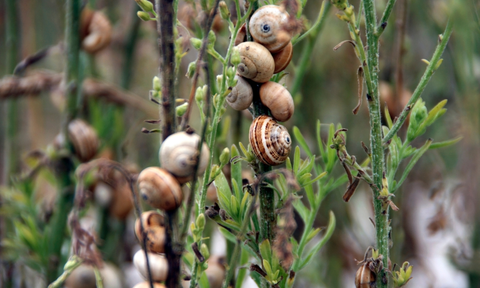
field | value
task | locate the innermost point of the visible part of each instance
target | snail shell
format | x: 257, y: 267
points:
x: 147, y: 285
x: 365, y: 278
x: 283, y: 58
x: 159, y: 188
x: 215, y: 271
x: 241, y: 96
x: 84, y: 140
x: 178, y: 155
x: 158, y: 265
x: 257, y: 62
x: 278, y: 100
x: 266, y: 26
x: 270, y: 141
x: 98, y: 32
x: 241, y: 35
x: 153, y: 229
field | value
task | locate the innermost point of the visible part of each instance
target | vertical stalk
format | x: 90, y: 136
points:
x: 381, y: 210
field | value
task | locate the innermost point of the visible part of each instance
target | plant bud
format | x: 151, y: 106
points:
x: 219, y: 80
x: 156, y: 84
x: 211, y: 39
x: 191, y: 69
x: 224, y: 12
x: 236, y: 59
x: 199, y: 95
x: 204, y: 250
x: 196, y: 43
x: 144, y: 16
x: 419, y: 114
x: 146, y: 6
x: 180, y: 110
x: 200, y: 221
x: 225, y: 157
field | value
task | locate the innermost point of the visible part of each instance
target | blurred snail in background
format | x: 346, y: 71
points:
x: 84, y: 140
x: 160, y: 189
x: 256, y: 62
x: 266, y: 27
x: 365, y: 278
x: 241, y: 96
x: 147, y: 285
x: 282, y: 58
x: 158, y: 265
x: 215, y: 271
x: 84, y: 277
x: 178, y: 155
x: 270, y: 141
x: 278, y: 100
x: 153, y: 230
x: 95, y: 31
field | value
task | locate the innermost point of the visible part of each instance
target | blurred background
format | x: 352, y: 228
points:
x: 438, y: 226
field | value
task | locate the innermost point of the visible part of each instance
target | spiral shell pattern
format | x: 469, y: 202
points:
x: 159, y: 188
x: 266, y: 27
x: 270, y: 141
x: 84, y: 139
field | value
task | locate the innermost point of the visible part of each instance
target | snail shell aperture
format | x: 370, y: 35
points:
x: 266, y: 27
x: 159, y: 188
x: 241, y: 96
x: 278, y: 100
x: 257, y: 62
x: 270, y: 141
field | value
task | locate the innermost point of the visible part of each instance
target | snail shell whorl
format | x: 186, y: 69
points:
x: 266, y: 27
x: 84, y: 139
x: 283, y: 58
x: 257, y: 62
x: 270, y: 141
x: 159, y: 188
x: 99, y: 33
x: 241, y: 96
x: 278, y: 100
x: 178, y: 155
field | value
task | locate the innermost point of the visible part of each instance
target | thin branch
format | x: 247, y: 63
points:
x: 386, y: 14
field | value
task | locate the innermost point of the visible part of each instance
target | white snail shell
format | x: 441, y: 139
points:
x: 158, y: 265
x: 178, y: 155
x: 97, y: 29
x: 270, y: 141
x: 282, y: 58
x: 159, y: 188
x: 256, y: 62
x: 278, y: 100
x: 266, y: 27
x: 241, y: 96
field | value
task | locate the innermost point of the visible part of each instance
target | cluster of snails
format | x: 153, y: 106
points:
x: 161, y: 189
x: 270, y: 53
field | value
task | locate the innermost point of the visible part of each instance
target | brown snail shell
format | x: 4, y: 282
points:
x: 158, y: 265
x: 122, y: 202
x: 256, y: 62
x: 215, y: 271
x: 241, y: 35
x: 278, y: 100
x: 266, y: 27
x: 241, y: 96
x: 153, y: 229
x: 270, y: 141
x: 97, y: 31
x: 147, y: 285
x: 178, y: 155
x: 365, y: 278
x: 283, y: 58
x: 84, y: 140
x: 159, y: 188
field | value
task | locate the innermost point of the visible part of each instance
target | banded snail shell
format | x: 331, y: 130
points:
x: 178, y: 155
x: 278, y: 100
x: 270, y: 141
x: 256, y: 62
x: 282, y: 58
x: 158, y: 265
x: 159, y: 188
x: 241, y: 96
x: 364, y: 278
x: 266, y: 27
x: 84, y: 140
x: 153, y: 230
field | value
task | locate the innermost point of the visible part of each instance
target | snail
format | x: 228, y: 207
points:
x: 257, y: 62
x: 365, y: 278
x: 278, y: 100
x: 270, y: 141
x: 158, y: 265
x: 266, y: 27
x: 147, y: 285
x: 242, y: 94
x: 215, y: 271
x: 159, y: 188
x: 283, y: 58
x: 178, y: 155
x: 241, y: 35
x: 84, y: 277
x: 96, y: 31
x: 153, y: 230
x: 83, y: 138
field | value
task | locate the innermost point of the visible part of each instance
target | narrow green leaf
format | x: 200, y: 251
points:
x: 413, y: 161
x: 301, y: 209
x: 236, y: 191
x: 388, y: 118
x: 265, y: 250
x: 316, y: 179
x: 268, y: 268
x: 223, y: 192
x: 229, y: 236
x: 313, y: 233
x: 331, y: 153
x: 242, y: 272
x: 236, y: 167
x: 244, y: 151
x: 288, y: 164
x: 301, y: 141
x: 235, y: 208
x: 203, y: 282
x: 310, y: 195
x: 447, y: 143
x: 296, y: 159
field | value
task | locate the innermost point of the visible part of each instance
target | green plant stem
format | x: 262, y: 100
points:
x: 427, y: 75
x: 381, y: 210
x: 129, y: 49
x: 386, y: 14
x: 312, y: 36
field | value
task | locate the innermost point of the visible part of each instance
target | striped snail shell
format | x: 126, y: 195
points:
x: 84, y: 140
x: 282, y: 58
x: 153, y: 230
x: 365, y: 278
x: 97, y: 31
x: 159, y: 188
x: 256, y: 62
x: 266, y: 26
x: 242, y: 94
x: 270, y: 141
x: 178, y: 155
x: 158, y: 265
x: 277, y: 98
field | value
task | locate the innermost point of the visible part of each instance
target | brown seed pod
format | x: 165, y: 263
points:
x: 282, y: 58
x: 256, y: 62
x: 215, y: 271
x: 159, y: 188
x: 84, y: 140
x: 158, y: 265
x: 278, y: 100
x: 241, y: 96
x: 241, y: 35
x: 154, y: 231
x: 96, y: 31
x: 266, y: 26
x: 365, y: 278
x: 178, y: 155
x: 270, y: 141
